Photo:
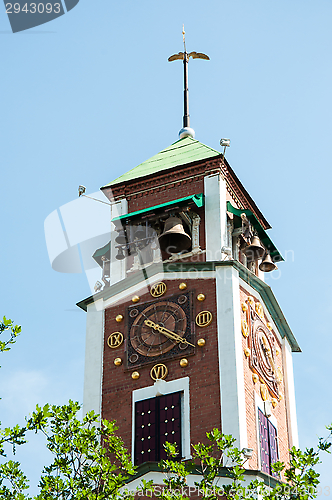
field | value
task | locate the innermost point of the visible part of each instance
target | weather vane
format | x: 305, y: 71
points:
x: 185, y: 57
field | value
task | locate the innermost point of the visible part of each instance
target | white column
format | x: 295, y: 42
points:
x: 93, y: 357
x: 118, y: 267
x: 290, y: 394
x: 215, y: 216
x: 231, y: 373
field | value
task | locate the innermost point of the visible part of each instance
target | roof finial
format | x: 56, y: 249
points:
x: 186, y: 130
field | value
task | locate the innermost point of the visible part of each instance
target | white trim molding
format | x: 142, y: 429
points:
x: 93, y: 370
x: 290, y: 394
x: 161, y: 388
x: 231, y: 372
x: 215, y: 216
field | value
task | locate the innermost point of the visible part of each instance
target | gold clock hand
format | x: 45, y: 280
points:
x: 268, y: 353
x: 166, y: 332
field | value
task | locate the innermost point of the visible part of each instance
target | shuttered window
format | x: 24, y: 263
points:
x: 157, y: 420
x: 268, y: 443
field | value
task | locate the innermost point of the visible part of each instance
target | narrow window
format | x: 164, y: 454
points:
x: 268, y: 443
x: 157, y: 420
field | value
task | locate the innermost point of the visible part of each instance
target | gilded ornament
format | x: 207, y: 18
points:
x: 244, y: 307
x: 259, y: 310
x: 244, y: 328
x: 115, y: 340
x: 183, y: 286
x: 119, y: 318
x: 201, y: 342
x: 118, y: 361
x: 251, y: 301
x: 264, y: 392
x: 255, y: 378
x: 247, y: 351
x: 135, y: 299
x: 159, y: 372
x: 274, y: 402
x: 158, y: 289
x: 277, y: 352
x: 135, y: 375
x: 279, y: 375
x: 269, y: 325
x: 280, y: 397
x: 184, y: 362
x: 201, y: 297
x: 204, y: 318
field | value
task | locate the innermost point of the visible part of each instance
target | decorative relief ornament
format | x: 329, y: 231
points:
x: 135, y: 375
x: 118, y: 361
x: 255, y: 378
x: 200, y: 297
x: 247, y: 352
x: 269, y: 325
x: 183, y: 286
x: 264, y: 392
x: 135, y: 299
x: 259, y: 310
x: 277, y: 352
x: 159, y: 372
x: 251, y: 301
x: 244, y: 307
x: 204, y: 318
x: 115, y: 340
x: 184, y: 362
x: 279, y: 375
x: 119, y: 318
x: 201, y: 342
x: 262, y: 344
x: 274, y: 402
x: 244, y: 328
x: 158, y: 289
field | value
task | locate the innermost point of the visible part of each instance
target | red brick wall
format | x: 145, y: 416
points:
x: 203, y: 370
x: 250, y: 388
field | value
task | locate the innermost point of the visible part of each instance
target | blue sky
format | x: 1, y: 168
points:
x: 91, y: 95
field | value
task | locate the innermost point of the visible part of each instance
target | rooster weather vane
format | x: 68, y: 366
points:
x: 184, y: 56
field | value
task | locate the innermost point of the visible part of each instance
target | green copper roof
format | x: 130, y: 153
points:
x: 182, y: 152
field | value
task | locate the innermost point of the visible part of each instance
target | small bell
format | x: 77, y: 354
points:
x: 140, y: 232
x: 120, y: 255
x: 267, y: 264
x: 121, y: 238
x: 255, y: 250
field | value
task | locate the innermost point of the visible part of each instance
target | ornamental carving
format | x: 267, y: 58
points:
x: 262, y: 344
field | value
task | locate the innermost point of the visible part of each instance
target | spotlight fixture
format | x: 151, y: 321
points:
x: 98, y: 286
x: 81, y: 190
x: 225, y: 143
x: 247, y: 452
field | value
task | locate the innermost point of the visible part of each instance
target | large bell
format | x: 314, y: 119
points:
x: 174, y: 239
x: 121, y: 238
x: 267, y: 264
x: 255, y: 250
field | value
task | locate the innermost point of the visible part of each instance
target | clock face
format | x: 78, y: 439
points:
x: 159, y: 330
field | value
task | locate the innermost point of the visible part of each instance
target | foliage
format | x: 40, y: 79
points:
x: 90, y: 461
x: 221, y: 462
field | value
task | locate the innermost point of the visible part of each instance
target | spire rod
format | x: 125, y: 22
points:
x: 186, y: 130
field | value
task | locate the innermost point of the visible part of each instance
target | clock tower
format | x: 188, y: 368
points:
x: 183, y: 333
